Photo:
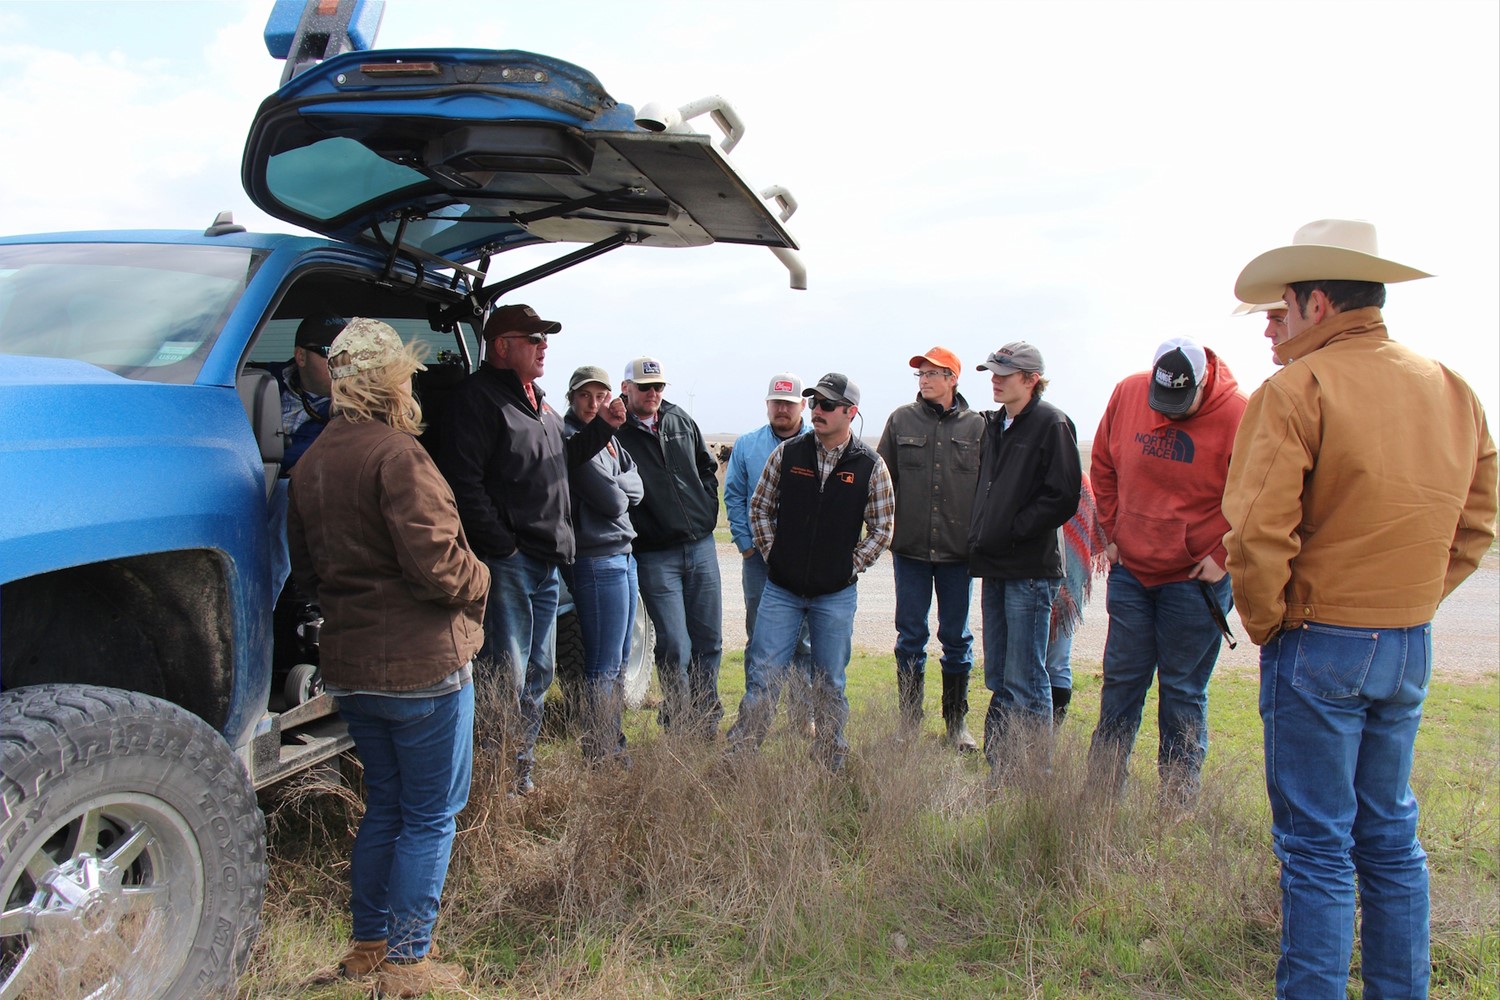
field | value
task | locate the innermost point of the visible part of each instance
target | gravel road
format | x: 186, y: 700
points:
x: 1466, y: 631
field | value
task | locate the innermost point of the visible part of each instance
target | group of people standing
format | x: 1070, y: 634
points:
x: 1336, y: 506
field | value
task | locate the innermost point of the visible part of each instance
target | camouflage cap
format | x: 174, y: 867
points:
x: 369, y: 344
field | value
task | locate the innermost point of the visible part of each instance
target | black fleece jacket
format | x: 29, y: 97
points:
x: 1030, y: 478
x: 680, y: 476
x: 508, y: 466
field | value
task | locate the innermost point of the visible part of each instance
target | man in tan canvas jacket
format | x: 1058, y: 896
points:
x: 1362, y: 492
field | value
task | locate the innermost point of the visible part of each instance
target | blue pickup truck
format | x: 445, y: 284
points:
x: 140, y: 450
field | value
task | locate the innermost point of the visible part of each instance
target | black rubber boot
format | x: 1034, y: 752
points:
x: 1060, y: 699
x: 909, y: 684
x: 955, y: 712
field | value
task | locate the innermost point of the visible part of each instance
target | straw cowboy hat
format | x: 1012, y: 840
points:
x: 1246, y: 308
x: 1326, y: 250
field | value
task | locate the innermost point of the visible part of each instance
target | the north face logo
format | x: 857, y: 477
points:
x: 1171, y: 443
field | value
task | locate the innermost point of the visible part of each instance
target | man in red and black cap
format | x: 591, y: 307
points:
x: 504, y: 455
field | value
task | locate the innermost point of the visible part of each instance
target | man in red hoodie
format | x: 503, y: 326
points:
x: 1160, y: 458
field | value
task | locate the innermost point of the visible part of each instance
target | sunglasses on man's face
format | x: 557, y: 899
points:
x: 829, y: 405
x: 651, y: 386
x: 530, y: 338
x: 315, y: 349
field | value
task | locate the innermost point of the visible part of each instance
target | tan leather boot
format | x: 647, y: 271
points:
x: 362, y: 959
x: 415, y: 979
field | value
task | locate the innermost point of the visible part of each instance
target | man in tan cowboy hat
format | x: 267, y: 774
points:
x: 1362, y: 493
x: 1275, y: 317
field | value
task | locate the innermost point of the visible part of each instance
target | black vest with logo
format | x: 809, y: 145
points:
x: 819, y: 524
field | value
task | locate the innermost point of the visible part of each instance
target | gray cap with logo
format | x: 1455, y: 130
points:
x: 1017, y: 356
x: 835, y: 386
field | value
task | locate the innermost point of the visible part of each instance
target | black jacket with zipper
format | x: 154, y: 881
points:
x: 508, y: 466
x: 1030, y: 478
x: 681, y: 479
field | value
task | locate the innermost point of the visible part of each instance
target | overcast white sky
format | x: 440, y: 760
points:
x: 1090, y: 177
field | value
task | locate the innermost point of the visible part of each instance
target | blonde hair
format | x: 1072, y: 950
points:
x: 382, y: 393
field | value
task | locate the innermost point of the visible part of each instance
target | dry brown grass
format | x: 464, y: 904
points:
x: 696, y: 874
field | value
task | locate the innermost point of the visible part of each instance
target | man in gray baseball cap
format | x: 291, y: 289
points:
x: 1030, y: 479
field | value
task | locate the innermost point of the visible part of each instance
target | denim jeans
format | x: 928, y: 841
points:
x: 1340, y: 707
x: 1060, y: 661
x: 416, y: 754
x: 680, y: 586
x: 520, y: 641
x: 604, y: 593
x: 1017, y: 616
x: 752, y: 583
x: 830, y: 624
x: 1164, y: 632
x: 916, y: 580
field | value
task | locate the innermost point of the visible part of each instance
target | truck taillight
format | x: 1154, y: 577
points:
x: 401, y: 69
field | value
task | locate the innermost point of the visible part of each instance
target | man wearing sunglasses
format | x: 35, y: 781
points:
x: 305, y: 386
x: 1030, y: 481
x: 822, y: 513
x: 676, y: 559
x: 505, y: 457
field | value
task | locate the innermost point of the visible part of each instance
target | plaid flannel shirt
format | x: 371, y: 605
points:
x: 880, y: 507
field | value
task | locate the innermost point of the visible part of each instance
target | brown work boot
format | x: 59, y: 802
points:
x: 362, y: 958
x: 415, y: 979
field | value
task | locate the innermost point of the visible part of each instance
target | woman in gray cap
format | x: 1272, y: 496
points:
x: 602, y: 577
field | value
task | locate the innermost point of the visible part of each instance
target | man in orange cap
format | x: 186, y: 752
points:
x: 931, y: 447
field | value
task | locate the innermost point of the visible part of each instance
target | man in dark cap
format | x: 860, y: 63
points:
x: 504, y: 455
x: 822, y: 513
x: 305, y: 386
x: 1158, y: 465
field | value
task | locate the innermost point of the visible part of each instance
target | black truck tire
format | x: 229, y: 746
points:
x: 132, y: 850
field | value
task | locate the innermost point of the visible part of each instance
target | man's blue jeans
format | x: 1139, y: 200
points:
x: 1341, y: 708
x: 1017, y: 616
x: 1164, y: 632
x: 830, y: 624
x: 680, y: 586
x: 752, y: 583
x: 416, y: 754
x: 916, y: 581
x: 1060, y: 661
x: 604, y: 594
x: 520, y: 640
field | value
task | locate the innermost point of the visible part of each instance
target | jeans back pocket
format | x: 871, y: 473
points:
x: 1333, y: 662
